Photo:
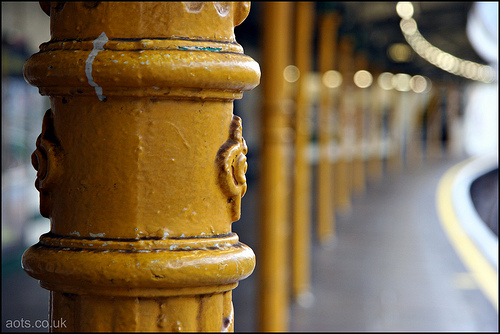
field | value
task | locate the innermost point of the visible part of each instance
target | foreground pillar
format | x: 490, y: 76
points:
x: 141, y: 165
x: 273, y: 226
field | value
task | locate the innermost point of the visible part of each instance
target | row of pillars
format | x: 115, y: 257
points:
x: 141, y: 162
x: 358, y: 133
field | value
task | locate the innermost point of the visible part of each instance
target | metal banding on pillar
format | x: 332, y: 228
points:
x: 141, y: 164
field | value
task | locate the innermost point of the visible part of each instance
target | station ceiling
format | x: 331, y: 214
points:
x: 375, y: 26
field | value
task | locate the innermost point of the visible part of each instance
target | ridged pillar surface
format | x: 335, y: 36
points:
x: 141, y: 164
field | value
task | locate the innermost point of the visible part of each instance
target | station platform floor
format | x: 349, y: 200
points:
x: 389, y: 268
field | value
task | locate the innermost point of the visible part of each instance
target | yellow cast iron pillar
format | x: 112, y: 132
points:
x: 141, y: 164
x: 328, y: 26
x: 359, y: 156
x: 344, y: 162
x: 273, y: 294
x: 374, y: 168
x: 301, y: 211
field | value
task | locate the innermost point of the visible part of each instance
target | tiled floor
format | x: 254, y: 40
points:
x: 390, y: 268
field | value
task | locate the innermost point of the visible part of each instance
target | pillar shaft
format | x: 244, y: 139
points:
x: 374, y: 168
x: 274, y: 183
x: 329, y: 22
x: 141, y: 164
x: 301, y: 211
x: 359, y: 157
x: 344, y: 162
x: 394, y: 161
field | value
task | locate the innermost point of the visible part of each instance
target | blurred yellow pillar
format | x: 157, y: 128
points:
x: 301, y: 210
x: 274, y: 227
x: 375, y: 168
x: 141, y: 165
x: 397, y: 130
x: 454, y: 144
x: 346, y: 104
x: 432, y: 123
x: 393, y: 157
x: 328, y: 26
x: 361, y: 105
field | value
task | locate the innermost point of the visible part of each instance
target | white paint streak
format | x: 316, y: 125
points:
x: 183, y: 140
x: 98, y: 46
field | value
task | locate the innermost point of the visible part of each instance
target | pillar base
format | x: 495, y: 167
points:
x: 158, y: 280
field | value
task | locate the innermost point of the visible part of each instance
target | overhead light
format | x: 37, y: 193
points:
x: 399, y: 52
x: 436, y: 56
x: 404, y: 9
x: 363, y: 79
x: 408, y: 26
x: 385, y: 80
x: 420, y: 84
x: 401, y: 82
x: 291, y: 73
x: 332, y: 79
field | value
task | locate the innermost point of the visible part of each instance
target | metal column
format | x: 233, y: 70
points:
x: 273, y: 294
x: 141, y: 164
x: 328, y: 26
x: 301, y: 211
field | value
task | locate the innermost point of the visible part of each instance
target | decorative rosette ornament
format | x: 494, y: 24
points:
x: 45, y: 161
x: 232, y: 164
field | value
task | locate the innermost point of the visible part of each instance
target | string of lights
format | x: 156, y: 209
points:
x: 436, y: 56
x: 401, y: 81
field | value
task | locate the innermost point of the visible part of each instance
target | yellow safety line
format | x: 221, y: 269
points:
x: 481, y: 269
